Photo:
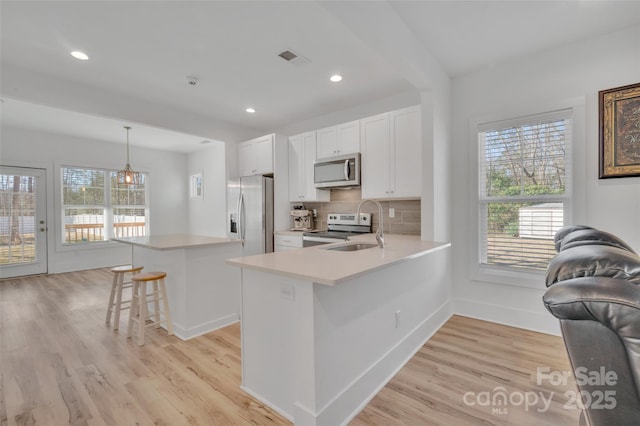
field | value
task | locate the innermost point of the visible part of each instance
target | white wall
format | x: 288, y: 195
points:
x: 167, y: 188
x: 575, y: 71
x: 207, y: 215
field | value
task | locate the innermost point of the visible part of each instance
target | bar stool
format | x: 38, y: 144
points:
x: 116, y: 292
x: 140, y: 300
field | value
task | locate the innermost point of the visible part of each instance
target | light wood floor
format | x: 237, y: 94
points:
x: 60, y: 364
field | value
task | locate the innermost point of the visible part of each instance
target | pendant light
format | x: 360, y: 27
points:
x: 127, y: 176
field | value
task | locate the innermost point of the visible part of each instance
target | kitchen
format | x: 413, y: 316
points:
x: 438, y: 212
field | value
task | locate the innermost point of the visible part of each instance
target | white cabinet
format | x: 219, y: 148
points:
x: 338, y: 140
x: 287, y: 241
x: 255, y: 157
x: 391, y: 154
x: 302, y: 154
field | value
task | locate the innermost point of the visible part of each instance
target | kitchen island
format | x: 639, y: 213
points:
x: 202, y: 289
x: 324, y: 330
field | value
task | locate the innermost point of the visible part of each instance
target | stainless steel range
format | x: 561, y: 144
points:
x: 340, y: 226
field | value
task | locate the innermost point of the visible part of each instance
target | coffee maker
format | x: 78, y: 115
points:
x: 302, y: 218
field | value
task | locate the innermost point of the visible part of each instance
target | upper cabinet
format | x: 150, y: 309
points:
x: 255, y: 157
x: 338, y: 140
x: 391, y: 154
x: 302, y: 154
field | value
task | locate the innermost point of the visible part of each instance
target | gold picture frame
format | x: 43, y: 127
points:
x: 620, y: 131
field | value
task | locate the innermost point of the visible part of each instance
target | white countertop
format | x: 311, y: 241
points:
x: 331, y: 267
x: 174, y: 241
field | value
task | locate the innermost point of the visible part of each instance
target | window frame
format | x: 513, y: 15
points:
x: 572, y: 198
x: 61, y: 245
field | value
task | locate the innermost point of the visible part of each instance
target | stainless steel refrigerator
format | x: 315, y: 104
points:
x: 250, y: 213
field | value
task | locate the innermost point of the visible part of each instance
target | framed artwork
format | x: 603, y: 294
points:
x: 196, y: 185
x: 620, y: 131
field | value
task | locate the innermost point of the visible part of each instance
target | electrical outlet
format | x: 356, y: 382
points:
x: 392, y: 212
x: 287, y: 292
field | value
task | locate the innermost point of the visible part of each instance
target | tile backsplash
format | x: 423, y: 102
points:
x: 406, y: 220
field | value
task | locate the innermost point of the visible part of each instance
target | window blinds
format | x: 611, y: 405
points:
x: 96, y: 208
x: 523, y: 188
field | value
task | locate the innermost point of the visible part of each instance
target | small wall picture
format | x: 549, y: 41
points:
x: 196, y: 185
x: 620, y: 131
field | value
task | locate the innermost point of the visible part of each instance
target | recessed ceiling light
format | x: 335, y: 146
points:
x: 80, y: 55
x: 336, y: 78
x: 250, y: 110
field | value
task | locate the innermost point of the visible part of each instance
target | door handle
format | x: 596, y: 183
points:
x: 346, y: 169
x: 241, y: 218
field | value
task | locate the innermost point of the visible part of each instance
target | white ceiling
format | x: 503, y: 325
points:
x: 467, y: 36
x: 141, y: 52
x: 48, y: 119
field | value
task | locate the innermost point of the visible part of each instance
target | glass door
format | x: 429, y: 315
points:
x: 23, y: 228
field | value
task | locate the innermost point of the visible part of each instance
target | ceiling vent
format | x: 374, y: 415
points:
x: 288, y: 55
x: 293, y: 58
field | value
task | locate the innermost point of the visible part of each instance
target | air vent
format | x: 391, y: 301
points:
x: 288, y: 55
x: 294, y: 58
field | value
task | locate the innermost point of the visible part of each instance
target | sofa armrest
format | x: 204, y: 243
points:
x: 598, y: 299
x: 600, y: 321
x: 593, y: 260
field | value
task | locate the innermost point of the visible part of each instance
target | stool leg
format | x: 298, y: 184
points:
x: 116, y: 318
x: 142, y: 319
x: 133, y: 311
x: 165, y: 302
x: 156, y: 304
x: 114, y: 284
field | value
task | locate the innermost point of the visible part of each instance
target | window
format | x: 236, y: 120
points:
x: 524, y: 191
x: 95, y: 208
x: 195, y: 187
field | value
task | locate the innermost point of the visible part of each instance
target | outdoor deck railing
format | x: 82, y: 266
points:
x: 82, y: 232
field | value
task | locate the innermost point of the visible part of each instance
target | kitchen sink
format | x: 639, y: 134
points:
x: 352, y: 247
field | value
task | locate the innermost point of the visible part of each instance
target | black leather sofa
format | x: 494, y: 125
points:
x: 594, y: 290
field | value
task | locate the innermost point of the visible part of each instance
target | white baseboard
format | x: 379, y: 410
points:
x: 534, y: 321
x: 268, y: 403
x: 355, y: 396
x: 189, y: 333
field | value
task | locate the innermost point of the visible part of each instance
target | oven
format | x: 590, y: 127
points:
x: 340, y: 226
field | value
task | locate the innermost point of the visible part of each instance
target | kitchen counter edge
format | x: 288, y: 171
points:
x: 322, y: 266
x: 174, y: 241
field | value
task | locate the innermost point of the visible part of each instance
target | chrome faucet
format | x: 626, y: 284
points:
x: 380, y: 231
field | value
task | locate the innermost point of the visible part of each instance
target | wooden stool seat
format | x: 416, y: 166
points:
x: 149, y: 276
x: 126, y: 268
x: 140, y: 300
x: 116, y: 304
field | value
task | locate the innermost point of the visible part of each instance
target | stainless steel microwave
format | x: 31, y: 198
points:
x: 334, y: 172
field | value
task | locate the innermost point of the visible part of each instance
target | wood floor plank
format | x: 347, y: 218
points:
x: 60, y: 364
